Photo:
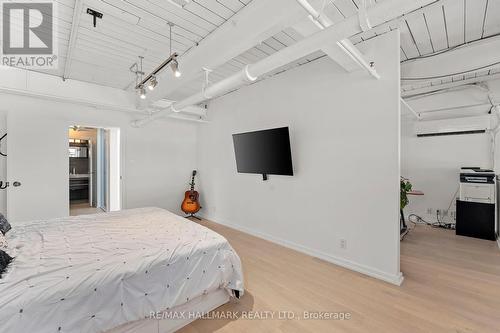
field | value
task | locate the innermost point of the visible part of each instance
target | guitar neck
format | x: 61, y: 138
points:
x: 192, y: 180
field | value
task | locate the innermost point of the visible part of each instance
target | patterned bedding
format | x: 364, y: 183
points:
x: 92, y: 273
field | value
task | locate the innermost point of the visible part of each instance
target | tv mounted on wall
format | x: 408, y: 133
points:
x: 264, y: 152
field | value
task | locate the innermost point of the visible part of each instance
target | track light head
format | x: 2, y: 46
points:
x: 142, y: 92
x: 175, y: 68
x: 152, y: 83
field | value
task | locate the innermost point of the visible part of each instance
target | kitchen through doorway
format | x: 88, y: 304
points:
x: 94, y: 171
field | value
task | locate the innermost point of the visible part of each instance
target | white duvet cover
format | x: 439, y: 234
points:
x: 92, y: 273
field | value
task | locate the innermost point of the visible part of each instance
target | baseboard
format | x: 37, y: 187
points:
x: 360, y: 268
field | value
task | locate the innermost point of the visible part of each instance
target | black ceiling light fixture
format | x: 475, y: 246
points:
x: 96, y: 15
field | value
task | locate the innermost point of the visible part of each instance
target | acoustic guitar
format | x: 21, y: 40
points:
x: 191, y: 203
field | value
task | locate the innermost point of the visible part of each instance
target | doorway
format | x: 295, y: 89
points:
x: 93, y: 167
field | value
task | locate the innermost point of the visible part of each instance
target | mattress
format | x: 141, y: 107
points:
x: 93, y: 273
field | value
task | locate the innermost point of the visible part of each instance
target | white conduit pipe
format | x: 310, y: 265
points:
x: 237, y: 80
x: 417, y: 115
x: 379, y: 14
x: 494, y: 133
x: 324, y: 22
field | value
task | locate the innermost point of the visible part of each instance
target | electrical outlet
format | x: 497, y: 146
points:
x: 429, y: 211
x: 343, y: 244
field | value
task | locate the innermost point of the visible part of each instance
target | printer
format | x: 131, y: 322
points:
x: 476, y: 204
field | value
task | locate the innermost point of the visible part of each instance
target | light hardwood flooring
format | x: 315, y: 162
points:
x: 83, y: 208
x: 452, y: 284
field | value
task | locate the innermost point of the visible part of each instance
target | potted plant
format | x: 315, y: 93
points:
x: 405, y: 187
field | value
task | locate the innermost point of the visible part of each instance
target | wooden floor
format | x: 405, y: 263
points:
x: 83, y: 208
x: 452, y: 284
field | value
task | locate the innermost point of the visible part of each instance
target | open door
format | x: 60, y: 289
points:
x: 102, y: 169
x: 108, y: 169
x: 38, y: 162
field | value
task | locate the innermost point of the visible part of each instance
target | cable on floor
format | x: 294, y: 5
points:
x: 415, y: 219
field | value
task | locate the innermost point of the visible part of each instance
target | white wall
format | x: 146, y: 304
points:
x: 156, y: 162
x: 432, y: 164
x: 345, y: 145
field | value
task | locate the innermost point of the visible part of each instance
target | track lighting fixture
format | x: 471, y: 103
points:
x: 175, y: 68
x: 152, y: 83
x: 174, y: 64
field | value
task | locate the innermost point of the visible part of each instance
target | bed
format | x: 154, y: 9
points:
x: 115, y: 273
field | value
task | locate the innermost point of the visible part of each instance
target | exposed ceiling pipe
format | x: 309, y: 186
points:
x: 417, y: 115
x: 185, y: 117
x: 442, y: 91
x: 323, y: 22
x: 495, y: 110
x: 452, y: 108
x: 439, y: 87
x: 490, y: 98
x: 364, y: 19
x: 480, y: 86
x: 379, y: 14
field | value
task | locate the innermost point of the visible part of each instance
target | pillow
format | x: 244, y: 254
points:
x: 3, y: 242
x: 4, y: 224
x: 5, y: 260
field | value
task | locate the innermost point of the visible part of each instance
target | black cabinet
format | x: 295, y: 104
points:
x: 476, y: 219
x: 79, y: 189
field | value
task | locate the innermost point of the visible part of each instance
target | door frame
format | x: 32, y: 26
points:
x: 112, y: 200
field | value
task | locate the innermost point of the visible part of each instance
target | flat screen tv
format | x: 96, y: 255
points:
x: 264, y: 152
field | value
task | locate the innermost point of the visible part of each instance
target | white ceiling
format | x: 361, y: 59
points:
x: 434, y: 30
x: 336, y: 10
x: 447, y: 27
x: 130, y: 28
